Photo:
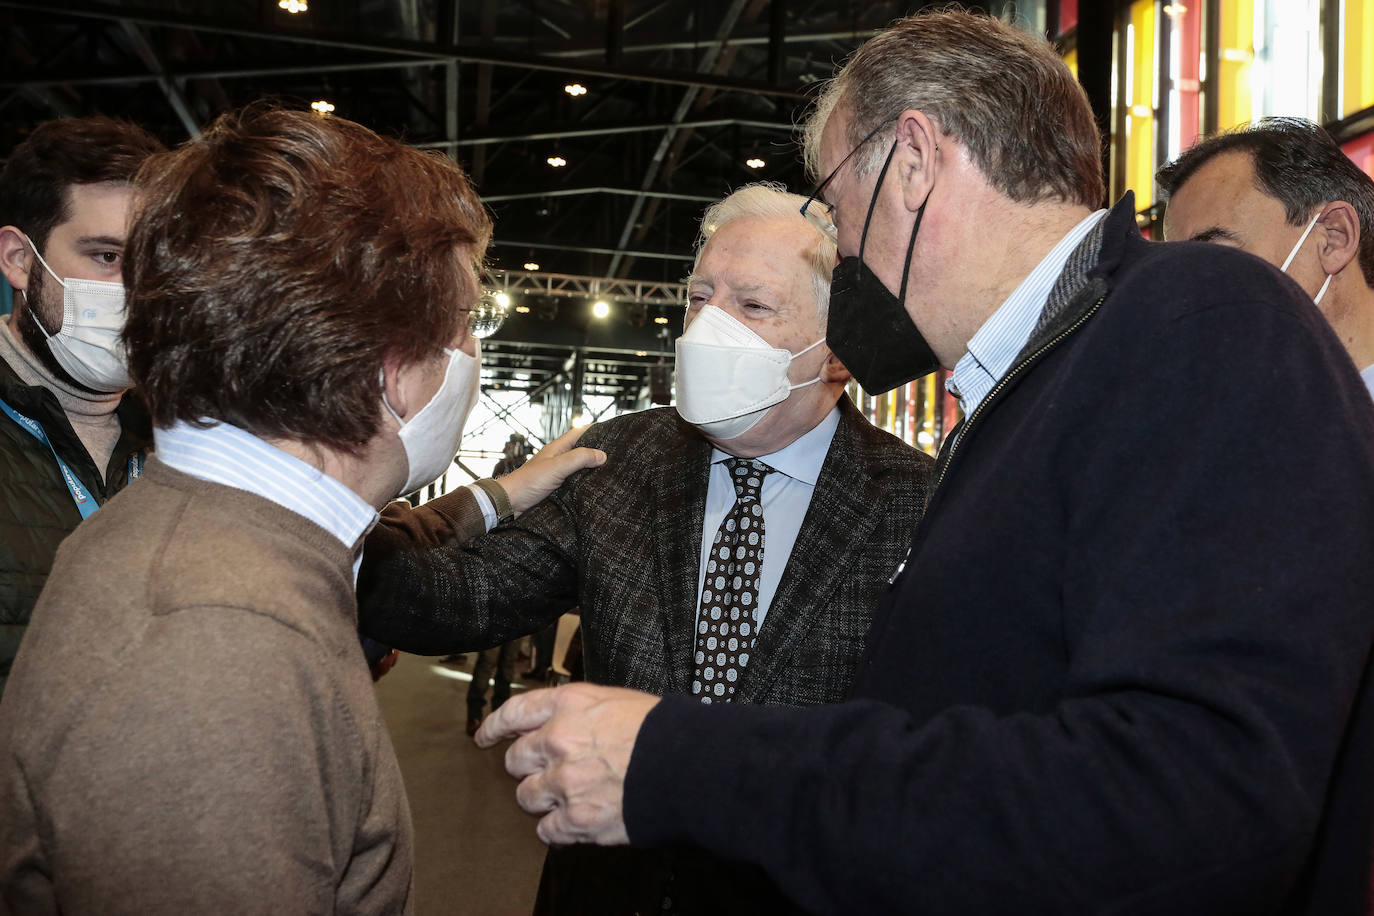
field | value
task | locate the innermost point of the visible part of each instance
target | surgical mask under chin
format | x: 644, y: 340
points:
x: 869, y: 329
x: 728, y: 376
x: 1294, y: 253
x: 431, y: 437
x: 88, y: 344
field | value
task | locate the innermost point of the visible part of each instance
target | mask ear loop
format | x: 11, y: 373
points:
x: 873, y: 201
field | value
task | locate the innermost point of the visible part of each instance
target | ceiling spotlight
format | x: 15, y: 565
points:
x: 530, y: 265
x: 600, y: 309
x: 556, y: 161
x: 523, y: 309
x: 755, y: 163
x: 293, y: 6
x: 660, y: 319
x: 641, y: 353
x: 322, y: 106
x: 575, y: 89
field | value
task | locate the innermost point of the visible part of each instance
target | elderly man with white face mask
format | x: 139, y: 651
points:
x: 733, y: 549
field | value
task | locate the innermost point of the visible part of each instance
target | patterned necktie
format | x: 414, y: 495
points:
x: 728, y: 621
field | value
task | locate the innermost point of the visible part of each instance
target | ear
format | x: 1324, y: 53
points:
x: 1340, y: 236
x: 16, y: 257
x: 832, y: 370
x: 914, y: 160
x: 396, y: 382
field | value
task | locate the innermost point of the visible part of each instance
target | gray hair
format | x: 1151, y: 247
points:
x: 1005, y: 94
x: 770, y: 200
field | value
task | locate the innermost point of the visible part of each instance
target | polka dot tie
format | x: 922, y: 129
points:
x: 728, y: 619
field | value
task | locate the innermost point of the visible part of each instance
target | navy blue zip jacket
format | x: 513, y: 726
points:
x: 1127, y: 666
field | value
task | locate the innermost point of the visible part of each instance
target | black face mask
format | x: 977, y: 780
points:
x: 868, y: 327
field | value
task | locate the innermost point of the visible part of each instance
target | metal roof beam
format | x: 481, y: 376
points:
x: 441, y: 51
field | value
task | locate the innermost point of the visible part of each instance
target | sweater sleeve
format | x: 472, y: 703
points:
x: 1216, y: 619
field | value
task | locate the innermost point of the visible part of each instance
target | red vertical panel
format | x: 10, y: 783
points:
x: 1189, y: 51
x: 1361, y: 152
x: 1068, y: 15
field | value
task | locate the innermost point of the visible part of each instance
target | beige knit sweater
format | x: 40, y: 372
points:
x: 190, y: 726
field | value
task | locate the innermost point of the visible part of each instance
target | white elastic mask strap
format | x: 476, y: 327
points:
x: 1296, y: 248
x: 1322, y: 291
x: 43, y: 262
x: 802, y: 353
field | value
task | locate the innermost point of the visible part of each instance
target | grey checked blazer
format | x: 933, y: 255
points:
x: 623, y: 541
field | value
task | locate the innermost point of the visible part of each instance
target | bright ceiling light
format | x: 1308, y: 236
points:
x: 523, y: 309
x: 556, y: 161
x: 293, y: 6
x: 321, y: 106
x: 755, y: 163
x: 600, y: 309
x: 660, y: 319
x: 503, y: 300
x: 575, y: 89
x: 530, y: 265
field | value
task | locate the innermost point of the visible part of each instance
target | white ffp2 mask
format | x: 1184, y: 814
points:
x: 728, y: 376
x: 88, y: 345
x: 431, y: 437
x: 1294, y: 253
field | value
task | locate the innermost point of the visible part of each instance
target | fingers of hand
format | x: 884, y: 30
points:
x: 517, y: 716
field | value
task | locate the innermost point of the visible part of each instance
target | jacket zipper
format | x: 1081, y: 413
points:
x: 978, y: 412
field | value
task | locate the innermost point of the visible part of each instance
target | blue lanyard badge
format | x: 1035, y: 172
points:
x: 85, y: 502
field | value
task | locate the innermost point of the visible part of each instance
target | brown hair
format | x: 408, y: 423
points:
x: 1005, y: 94
x: 36, y: 182
x: 276, y: 262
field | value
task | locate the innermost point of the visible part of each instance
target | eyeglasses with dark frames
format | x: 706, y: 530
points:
x: 821, y: 219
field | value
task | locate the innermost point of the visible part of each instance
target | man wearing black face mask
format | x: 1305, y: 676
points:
x: 69, y: 435
x: 1126, y: 666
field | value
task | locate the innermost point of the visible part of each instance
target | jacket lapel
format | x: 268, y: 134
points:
x: 680, y: 507
x: 837, y: 524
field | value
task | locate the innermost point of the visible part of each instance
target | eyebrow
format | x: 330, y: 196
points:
x: 106, y: 240
x: 1212, y: 234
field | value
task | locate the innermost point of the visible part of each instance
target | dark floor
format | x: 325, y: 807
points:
x: 476, y: 853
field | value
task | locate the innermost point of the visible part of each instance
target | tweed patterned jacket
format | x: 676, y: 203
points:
x: 623, y: 542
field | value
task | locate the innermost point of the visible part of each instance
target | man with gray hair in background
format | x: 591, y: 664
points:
x: 1282, y: 189
x: 1126, y: 665
x: 731, y: 550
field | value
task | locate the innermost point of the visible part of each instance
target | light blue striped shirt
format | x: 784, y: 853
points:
x: 784, y: 498
x: 993, y: 349
x: 1368, y: 376
x: 227, y: 455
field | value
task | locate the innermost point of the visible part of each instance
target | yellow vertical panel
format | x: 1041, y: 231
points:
x: 1140, y: 118
x: 1237, y: 54
x: 890, y: 399
x: 1357, y: 58
x: 1072, y: 60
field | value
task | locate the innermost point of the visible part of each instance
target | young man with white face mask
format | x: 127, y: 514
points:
x: 1284, y: 191
x: 70, y: 436
x: 765, y: 459
x: 190, y: 725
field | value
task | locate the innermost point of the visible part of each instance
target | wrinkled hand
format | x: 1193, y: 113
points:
x: 549, y: 467
x: 572, y: 749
